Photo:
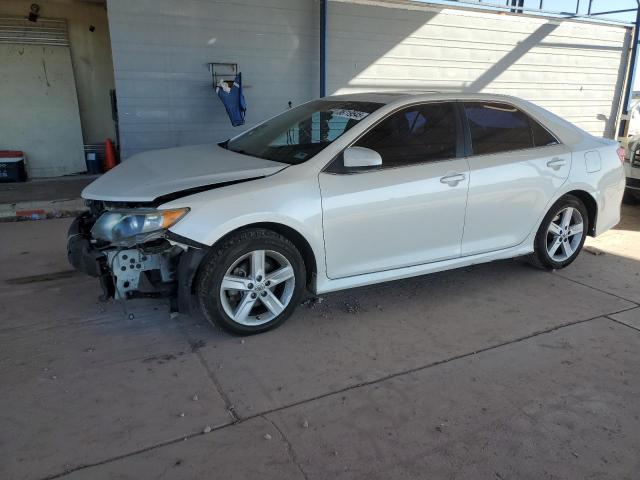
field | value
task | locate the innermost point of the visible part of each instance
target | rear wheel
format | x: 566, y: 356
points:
x: 252, y: 282
x: 561, y: 234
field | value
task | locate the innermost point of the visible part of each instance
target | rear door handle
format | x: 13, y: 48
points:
x: 454, y: 179
x: 556, y: 163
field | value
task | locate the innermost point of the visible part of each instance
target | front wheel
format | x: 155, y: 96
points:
x: 561, y: 234
x: 252, y: 282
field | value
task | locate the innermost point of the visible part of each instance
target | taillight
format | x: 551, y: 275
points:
x: 620, y: 152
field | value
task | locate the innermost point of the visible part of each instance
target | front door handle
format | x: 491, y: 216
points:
x: 556, y: 163
x: 453, y: 179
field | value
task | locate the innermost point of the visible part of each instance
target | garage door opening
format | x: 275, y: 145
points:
x: 57, y: 77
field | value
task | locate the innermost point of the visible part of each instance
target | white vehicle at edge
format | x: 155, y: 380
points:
x: 346, y: 191
x: 632, y: 168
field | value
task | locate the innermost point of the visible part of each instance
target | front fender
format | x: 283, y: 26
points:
x: 293, y: 203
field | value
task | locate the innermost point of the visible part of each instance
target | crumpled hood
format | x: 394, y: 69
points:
x: 149, y: 175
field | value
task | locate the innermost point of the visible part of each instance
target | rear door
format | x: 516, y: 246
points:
x: 516, y: 166
x: 410, y: 210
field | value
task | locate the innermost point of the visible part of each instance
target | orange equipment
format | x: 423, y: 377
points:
x: 109, y: 155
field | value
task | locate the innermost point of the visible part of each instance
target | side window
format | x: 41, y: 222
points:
x: 497, y: 127
x: 416, y: 134
x: 541, y: 137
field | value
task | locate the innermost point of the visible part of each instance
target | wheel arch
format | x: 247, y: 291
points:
x: 591, y: 205
x: 291, y: 234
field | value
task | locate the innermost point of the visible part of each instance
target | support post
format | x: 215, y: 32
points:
x: 626, y: 102
x: 323, y: 48
x: 517, y: 3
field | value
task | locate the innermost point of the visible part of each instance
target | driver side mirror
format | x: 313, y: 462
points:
x: 361, y: 157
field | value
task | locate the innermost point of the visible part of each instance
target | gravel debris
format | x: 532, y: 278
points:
x: 207, y: 429
x: 352, y: 306
x: 312, y: 302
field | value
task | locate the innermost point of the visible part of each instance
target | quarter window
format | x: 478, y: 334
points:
x: 417, y: 134
x: 541, y: 137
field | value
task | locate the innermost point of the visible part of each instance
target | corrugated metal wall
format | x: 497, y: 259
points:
x: 161, y: 48
x: 575, y: 69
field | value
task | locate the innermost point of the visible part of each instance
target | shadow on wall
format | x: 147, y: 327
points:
x: 433, y: 50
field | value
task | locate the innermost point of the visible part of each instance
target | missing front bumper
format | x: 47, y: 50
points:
x: 144, y: 272
x: 157, y: 269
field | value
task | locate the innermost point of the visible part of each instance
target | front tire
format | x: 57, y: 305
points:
x: 561, y: 234
x: 251, y: 282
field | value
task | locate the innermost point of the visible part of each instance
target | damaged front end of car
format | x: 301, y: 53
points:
x: 132, y: 252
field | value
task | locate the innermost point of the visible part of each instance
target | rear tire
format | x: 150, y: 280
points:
x: 251, y: 282
x: 561, y: 234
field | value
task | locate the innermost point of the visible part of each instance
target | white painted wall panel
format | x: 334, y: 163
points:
x: 575, y: 69
x: 161, y: 47
x: 160, y: 52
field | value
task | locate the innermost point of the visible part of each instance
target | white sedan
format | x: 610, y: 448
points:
x: 342, y: 192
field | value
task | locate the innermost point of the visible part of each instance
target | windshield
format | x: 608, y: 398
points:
x: 298, y: 134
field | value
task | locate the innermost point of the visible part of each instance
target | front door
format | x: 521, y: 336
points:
x: 409, y: 211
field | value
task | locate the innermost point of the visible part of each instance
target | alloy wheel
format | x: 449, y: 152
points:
x: 564, y: 234
x: 257, y: 287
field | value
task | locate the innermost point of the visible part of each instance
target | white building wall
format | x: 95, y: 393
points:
x: 161, y: 47
x: 160, y: 52
x: 573, y: 68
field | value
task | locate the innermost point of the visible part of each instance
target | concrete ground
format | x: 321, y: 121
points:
x: 498, y: 371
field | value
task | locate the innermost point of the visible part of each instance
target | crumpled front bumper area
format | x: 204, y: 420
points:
x: 82, y: 255
x: 156, y: 269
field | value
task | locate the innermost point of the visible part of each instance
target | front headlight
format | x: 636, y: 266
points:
x: 116, y: 226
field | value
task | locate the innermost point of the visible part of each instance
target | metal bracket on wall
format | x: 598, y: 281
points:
x: 225, y: 72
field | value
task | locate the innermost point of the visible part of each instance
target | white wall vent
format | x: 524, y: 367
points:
x: 46, y: 31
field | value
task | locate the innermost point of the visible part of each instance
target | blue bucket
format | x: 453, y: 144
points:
x: 93, y: 164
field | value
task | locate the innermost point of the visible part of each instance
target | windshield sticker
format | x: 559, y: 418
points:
x: 301, y: 155
x: 351, y: 114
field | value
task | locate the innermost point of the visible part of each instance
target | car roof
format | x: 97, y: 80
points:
x: 417, y: 95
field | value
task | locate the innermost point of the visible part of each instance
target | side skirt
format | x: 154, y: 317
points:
x: 327, y: 285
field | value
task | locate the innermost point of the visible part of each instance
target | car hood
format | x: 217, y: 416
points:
x: 146, y: 176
